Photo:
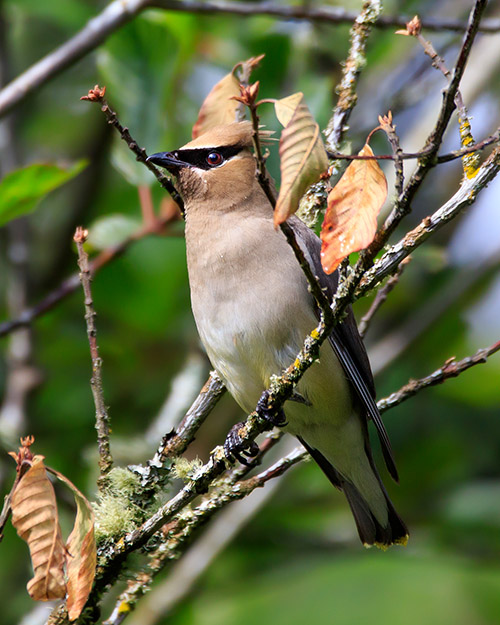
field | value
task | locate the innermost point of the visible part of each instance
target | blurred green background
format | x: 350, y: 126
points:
x: 298, y: 560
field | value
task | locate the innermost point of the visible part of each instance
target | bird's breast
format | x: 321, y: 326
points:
x: 250, y: 301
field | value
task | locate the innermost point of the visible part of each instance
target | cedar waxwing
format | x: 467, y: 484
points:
x: 253, y: 310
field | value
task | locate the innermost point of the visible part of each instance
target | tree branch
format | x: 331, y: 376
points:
x: 450, y: 369
x: 350, y: 73
x: 101, y: 414
x: 119, y: 12
x: 403, y: 203
x: 71, y: 284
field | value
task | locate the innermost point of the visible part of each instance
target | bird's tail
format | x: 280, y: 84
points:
x: 370, y: 529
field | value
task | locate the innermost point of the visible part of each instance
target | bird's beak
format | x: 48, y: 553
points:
x: 168, y: 160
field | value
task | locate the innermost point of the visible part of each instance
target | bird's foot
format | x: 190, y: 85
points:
x: 274, y: 416
x: 236, y: 448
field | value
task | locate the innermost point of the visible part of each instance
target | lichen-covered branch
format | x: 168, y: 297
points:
x: 315, y: 199
x: 350, y: 73
x: 176, y: 535
x: 176, y: 442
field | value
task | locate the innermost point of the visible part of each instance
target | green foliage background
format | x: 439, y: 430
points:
x: 299, y: 560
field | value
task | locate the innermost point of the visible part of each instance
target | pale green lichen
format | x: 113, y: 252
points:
x: 115, y: 513
x: 312, y: 204
x: 121, y: 481
x: 114, y: 516
x: 185, y: 469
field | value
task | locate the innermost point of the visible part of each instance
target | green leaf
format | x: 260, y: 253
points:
x: 22, y: 189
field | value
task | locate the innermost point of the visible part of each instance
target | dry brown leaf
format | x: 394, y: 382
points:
x: 218, y: 107
x: 351, y: 216
x: 35, y: 517
x: 286, y: 107
x: 80, y: 552
x: 302, y: 154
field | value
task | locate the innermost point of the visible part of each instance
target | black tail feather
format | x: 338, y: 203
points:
x: 370, y: 530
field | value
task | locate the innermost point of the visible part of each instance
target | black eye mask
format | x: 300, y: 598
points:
x: 197, y: 157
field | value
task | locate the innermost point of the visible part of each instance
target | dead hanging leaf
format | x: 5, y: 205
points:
x: 351, y: 216
x: 286, y: 107
x: 80, y: 552
x: 218, y: 107
x: 302, y: 154
x: 34, y: 515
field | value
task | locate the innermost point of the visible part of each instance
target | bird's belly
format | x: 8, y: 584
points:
x: 245, y: 351
x: 249, y: 344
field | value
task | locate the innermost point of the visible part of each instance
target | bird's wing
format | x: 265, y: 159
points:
x: 346, y: 342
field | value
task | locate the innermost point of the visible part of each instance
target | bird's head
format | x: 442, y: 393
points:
x: 217, y: 167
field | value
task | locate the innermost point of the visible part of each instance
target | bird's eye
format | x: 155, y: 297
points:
x: 214, y: 159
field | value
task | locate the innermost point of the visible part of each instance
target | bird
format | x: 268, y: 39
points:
x: 253, y: 310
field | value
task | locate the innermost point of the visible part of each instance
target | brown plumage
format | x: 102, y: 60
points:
x: 253, y: 311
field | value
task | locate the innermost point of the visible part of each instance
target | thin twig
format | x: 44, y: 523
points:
x: 450, y: 369
x: 97, y: 95
x: 442, y: 158
x: 471, y: 160
x: 101, y: 414
x: 380, y: 298
x: 403, y: 203
x: 390, y: 130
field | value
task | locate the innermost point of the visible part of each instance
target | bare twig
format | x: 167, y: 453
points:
x: 97, y: 95
x: 450, y: 369
x: 470, y: 160
x: 381, y: 297
x: 458, y: 288
x: 390, y: 130
x: 102, y: 419
x: 442, y: 158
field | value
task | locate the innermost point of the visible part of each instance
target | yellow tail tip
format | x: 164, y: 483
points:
x: 403, y: 541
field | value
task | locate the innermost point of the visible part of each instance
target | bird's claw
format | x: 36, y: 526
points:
x: 275, y: 416
x: 236, y: 448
